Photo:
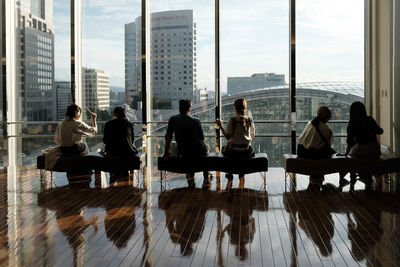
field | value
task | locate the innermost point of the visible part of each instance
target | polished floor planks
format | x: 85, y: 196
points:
x: 225, y: 225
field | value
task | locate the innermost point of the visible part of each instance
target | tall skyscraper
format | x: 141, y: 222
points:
x: 238, y: 85
x: 96, y: 89
x: 173, y: 56
x: 37, y: 88
x: 63, y: 90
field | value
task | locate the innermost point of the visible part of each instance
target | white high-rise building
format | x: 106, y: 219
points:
x: 173, y: 56
x: 96, y: 89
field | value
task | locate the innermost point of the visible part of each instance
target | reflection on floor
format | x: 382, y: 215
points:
x: 223, y: 224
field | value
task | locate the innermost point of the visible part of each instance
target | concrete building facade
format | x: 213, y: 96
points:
x: 36, y: 57
x: 173, y: 56
x: 63, y: 91
x: 237, y: 85
x: 96, y: 89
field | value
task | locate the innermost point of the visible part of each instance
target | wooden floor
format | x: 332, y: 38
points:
x: 142, y: 224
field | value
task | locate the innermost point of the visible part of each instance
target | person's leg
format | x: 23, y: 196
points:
x: 190, y: 180
x: 241, y: 180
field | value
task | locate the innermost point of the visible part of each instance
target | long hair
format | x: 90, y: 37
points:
x: 323, y: 115
x: 357, y: 111
x: 240, y: 106
x: 119, y: 112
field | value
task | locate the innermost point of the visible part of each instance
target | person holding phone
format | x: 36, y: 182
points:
x: 69, y: 132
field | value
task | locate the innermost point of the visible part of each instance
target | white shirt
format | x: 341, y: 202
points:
x: 241, y: 135
x: 310, y: 137
x: 70, y: 132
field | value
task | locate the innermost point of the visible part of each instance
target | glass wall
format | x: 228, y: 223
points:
x: 109, y: 61
x: 330, y: 60
x: 2, y: 86
x: 254, y: 65
x: 42, y: 57
x: 182, y: 53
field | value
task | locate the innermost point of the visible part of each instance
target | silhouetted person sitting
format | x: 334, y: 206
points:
x: 241, y: 228
x: 119, y: 135
x: 316, y: 139
x: 189, y: 136
x: 70, y: 131
x: 361, y: 137
x: 240, y: 132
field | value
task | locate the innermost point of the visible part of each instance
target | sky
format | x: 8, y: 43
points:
x: 254, y: 38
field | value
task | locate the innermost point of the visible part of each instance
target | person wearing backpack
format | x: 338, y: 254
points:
x: 239, y: 132
x: 316, y: 139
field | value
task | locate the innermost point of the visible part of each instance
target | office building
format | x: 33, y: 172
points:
x: 173, y: 57
x: 63, y: 91
x: 36, y: 53
x: 238, y: 85
x: 96, y: 89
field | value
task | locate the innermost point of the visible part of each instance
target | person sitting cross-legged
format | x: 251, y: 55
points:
x: 189, y: 137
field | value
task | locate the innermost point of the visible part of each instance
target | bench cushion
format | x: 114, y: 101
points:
x: 215, y: 162
x: 95, y: 161
x: 294, y: 164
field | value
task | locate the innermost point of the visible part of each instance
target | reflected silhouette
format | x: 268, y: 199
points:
x: 120, y: 203
x: 242, y: 227
x: 185, y: 218
x: 185, y: 212
x: 363, y: 212
x: 364, y: 233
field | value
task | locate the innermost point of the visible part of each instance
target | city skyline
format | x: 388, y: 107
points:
x: 341, y: 46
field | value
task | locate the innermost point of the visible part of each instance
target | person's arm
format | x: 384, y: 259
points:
x: 168, y: 139
x: 253, y: 129
x: 377, y: 129
x: 330, y: 137
x: 94, y: 122
x: 200, y: 131
x: 107, y: 134
x: 225, y: 133
x: 56, y: 136
x: 350, y: 138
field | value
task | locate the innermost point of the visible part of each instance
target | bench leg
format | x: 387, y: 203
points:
x: 264, y: 177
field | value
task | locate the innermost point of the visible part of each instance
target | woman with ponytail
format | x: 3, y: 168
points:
x: 239, y: 132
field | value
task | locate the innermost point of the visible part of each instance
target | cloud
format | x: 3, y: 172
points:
x: 254, y: 37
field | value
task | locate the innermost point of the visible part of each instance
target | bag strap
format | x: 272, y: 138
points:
x: 322, y: 136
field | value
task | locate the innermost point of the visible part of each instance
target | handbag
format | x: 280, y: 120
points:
x: 173, y: 150
x: 327, y: 149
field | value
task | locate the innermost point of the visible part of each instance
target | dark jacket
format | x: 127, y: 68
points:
x: 363, y: 131
x: 188, y: 135
x: 119, y: 138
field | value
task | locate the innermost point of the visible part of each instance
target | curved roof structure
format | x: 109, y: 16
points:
x: 345, y: 92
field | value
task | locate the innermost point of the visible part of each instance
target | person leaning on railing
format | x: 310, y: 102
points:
x: 70, y: 131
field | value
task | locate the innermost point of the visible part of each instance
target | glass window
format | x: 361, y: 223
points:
x: 330, y: 61
x: 254, y: 65
x: 43, y: 57
x: 111, y: 61
x: 180, y: 19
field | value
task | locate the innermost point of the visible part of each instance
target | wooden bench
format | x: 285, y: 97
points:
x: 94, y: 161
x: 384, y: 165
x: 215, y: 162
